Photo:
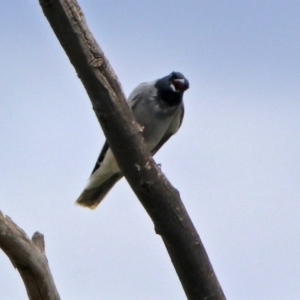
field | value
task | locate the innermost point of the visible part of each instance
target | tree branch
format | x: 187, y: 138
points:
x: 28, y: 257
x: 156, y: 194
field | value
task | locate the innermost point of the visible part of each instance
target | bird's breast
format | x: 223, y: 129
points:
x: 155, y: 121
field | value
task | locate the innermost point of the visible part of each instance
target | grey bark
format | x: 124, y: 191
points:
x: 159, y: 198
x: 28, y: 257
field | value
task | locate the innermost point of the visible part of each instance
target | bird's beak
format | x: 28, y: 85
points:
x: 178, y: 85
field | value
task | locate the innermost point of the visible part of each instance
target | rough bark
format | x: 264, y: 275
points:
x: 28, y: 257
x: 160, y: 199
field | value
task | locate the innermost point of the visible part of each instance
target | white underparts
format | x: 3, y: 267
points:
x: 107, y: 168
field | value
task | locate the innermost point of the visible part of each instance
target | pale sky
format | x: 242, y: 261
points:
x: 235, y: 161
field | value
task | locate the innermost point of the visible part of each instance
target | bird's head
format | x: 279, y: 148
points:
x: 172, y: 87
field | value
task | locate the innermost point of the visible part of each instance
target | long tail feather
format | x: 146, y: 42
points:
x: 92, y: 197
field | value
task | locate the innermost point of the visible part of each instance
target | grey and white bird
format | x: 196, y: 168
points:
x: 158, y: 108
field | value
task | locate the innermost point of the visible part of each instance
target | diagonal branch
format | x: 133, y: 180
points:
x: 155, y: 192
x: 28, y: 257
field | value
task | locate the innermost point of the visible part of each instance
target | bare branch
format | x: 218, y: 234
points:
x: 39, y: 241
x: 156, y: 194
x: 29, y: 259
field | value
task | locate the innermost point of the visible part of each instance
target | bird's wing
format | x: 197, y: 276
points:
x: 143, y: 90
x: 173, y: 128
x: 136, y: 95
x: 133, y: 98
x: 101, y: 157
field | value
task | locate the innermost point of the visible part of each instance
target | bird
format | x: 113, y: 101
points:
x: 158, y: 108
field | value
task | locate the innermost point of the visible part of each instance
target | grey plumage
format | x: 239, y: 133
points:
x: 158, y: 107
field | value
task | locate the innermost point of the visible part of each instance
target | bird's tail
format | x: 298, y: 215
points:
x: 92, y: 197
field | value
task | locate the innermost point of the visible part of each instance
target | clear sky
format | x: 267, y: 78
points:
x: 236, y: 159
